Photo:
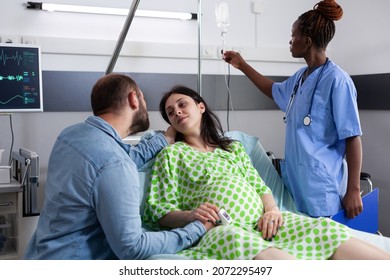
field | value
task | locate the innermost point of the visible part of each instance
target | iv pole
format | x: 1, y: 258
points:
x: 122, y: 36
x: 125, y: 30
x: 200, y: 47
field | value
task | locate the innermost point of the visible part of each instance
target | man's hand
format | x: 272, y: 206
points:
x: 206, y: 213
x: 170, y: 135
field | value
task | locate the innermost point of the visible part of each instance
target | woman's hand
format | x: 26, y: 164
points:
x: 270, y: 223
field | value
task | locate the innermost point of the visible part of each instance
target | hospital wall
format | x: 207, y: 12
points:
x: 80, y: 42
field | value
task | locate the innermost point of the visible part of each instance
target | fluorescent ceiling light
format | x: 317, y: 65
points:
x: 107, y: 11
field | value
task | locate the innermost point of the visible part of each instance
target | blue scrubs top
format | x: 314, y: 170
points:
x: 314, y: 169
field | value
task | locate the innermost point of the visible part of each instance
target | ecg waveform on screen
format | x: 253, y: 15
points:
x: 15, y: 57
x: 29, y: 96
x: 17, y: 78
x: 11, y: 99
x: 20, y: 88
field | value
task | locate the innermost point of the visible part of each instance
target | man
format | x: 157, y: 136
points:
x: 91, y: 208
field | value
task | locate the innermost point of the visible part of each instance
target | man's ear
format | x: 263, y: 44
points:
x: 133, y: 100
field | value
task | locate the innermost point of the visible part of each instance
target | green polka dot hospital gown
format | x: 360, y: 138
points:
x: 184, y: 178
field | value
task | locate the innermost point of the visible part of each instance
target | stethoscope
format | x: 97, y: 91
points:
x: 307, y: 119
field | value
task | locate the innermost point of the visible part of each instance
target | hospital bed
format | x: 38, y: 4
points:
x: 263, y: 163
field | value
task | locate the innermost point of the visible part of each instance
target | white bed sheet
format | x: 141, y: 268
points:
x: 380, y: 241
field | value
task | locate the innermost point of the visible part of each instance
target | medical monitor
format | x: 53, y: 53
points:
x: 20, y: 78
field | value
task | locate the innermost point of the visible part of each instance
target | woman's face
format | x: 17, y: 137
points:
x: 299, y: 43
x: 184, y: 113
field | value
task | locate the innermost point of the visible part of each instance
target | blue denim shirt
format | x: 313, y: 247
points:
x: 92, y: 199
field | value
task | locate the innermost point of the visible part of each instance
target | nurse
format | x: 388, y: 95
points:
x: 323, y: 150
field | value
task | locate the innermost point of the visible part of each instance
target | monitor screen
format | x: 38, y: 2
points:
x: 20, y: 78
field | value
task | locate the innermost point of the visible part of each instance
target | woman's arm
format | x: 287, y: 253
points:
x: 272, y: 219
x: 269, y: 203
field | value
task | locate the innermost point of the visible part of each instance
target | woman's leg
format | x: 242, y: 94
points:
x: 357, y: 249
x: 273, y: 254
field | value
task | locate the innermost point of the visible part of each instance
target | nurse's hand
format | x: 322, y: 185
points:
x: 352, y: 203
x: 233, y: 58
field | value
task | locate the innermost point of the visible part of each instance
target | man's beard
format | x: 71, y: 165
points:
x: 140, y: 121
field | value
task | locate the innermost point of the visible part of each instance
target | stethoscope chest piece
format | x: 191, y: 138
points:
x: 307, y: 120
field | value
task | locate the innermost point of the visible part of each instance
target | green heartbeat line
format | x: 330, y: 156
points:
x: 12, y: 78
x: 16, y: 57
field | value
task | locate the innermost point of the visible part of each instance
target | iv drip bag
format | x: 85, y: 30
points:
x: 222, y: 15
